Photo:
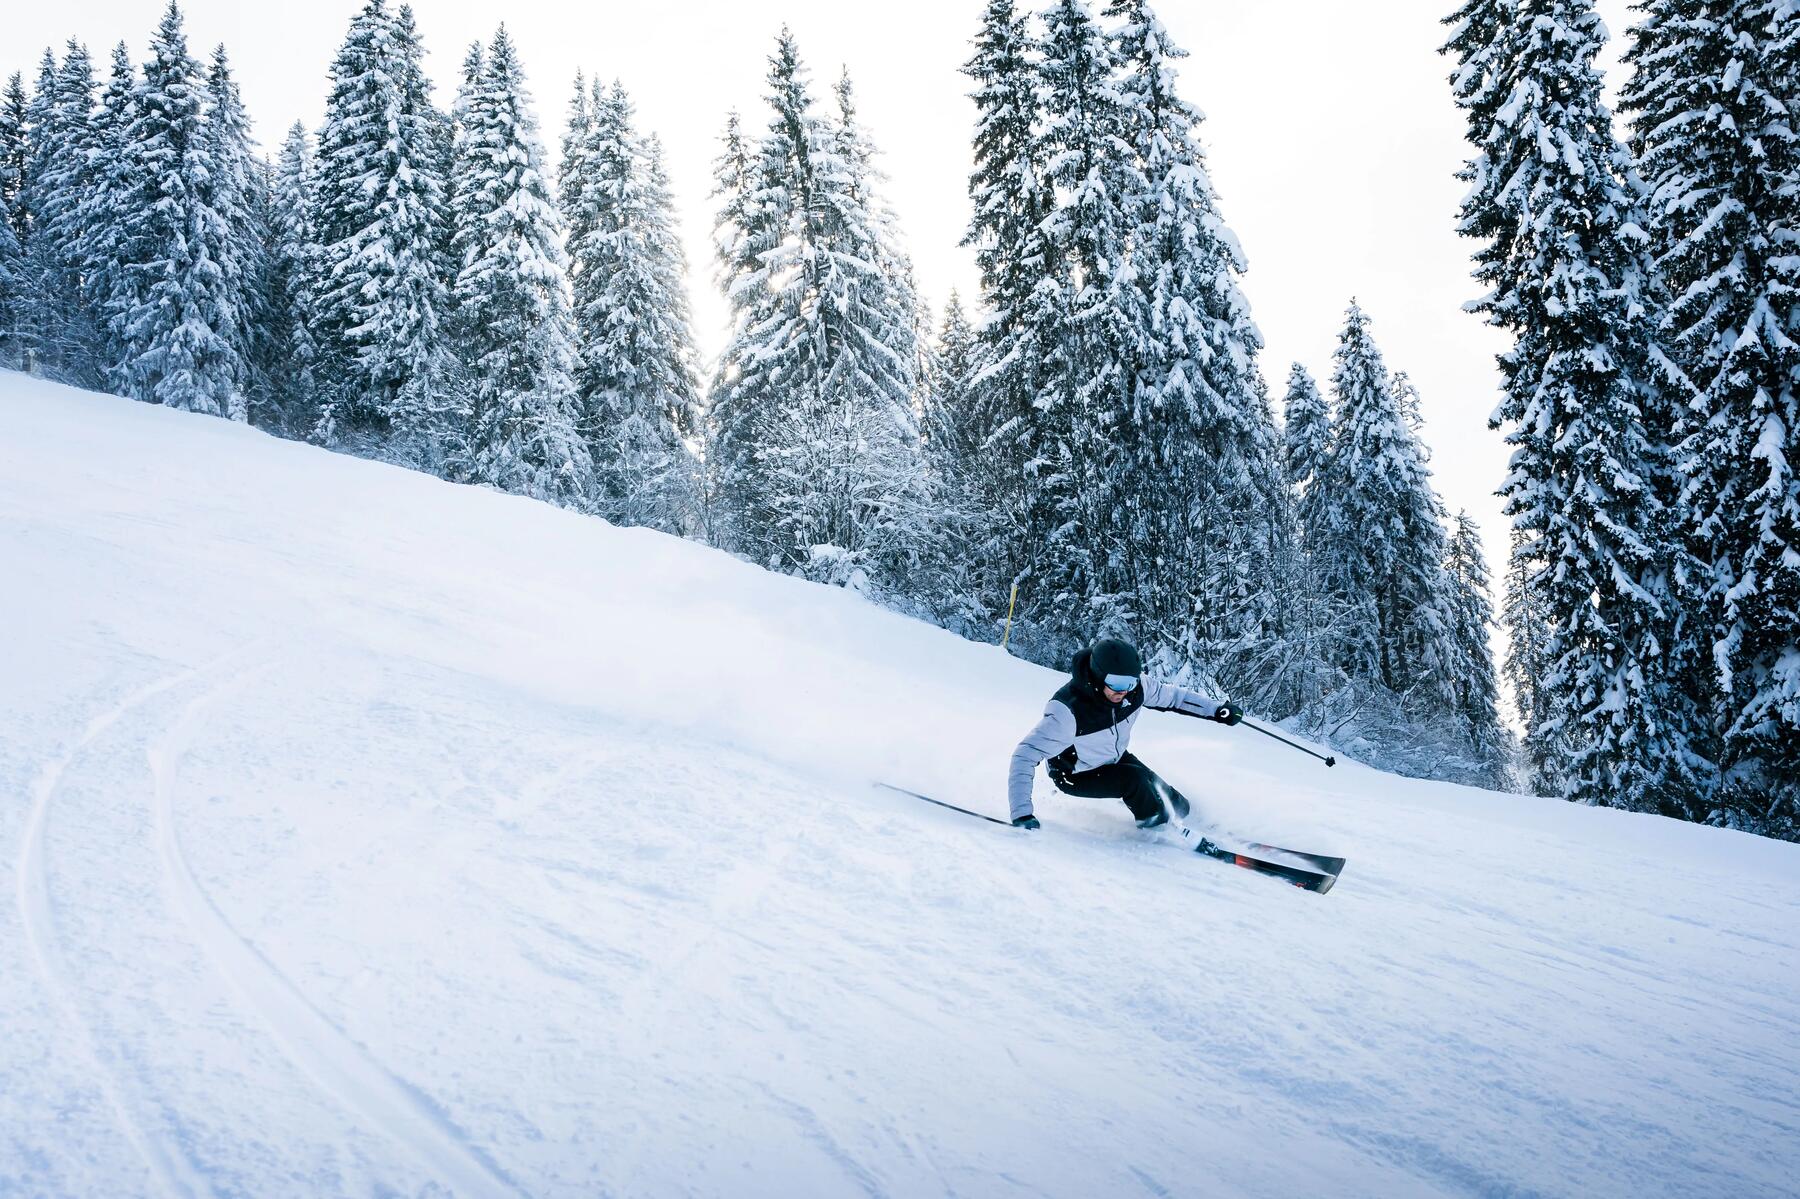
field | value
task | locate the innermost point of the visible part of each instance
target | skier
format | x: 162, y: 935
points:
x: 1087, y: 726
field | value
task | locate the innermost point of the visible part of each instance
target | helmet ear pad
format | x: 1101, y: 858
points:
x: 1110, y: 655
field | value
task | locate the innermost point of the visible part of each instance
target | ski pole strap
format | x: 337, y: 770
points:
x: 1329, y: 761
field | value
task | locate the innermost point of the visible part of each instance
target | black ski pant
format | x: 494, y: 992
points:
x: 1127, y: 779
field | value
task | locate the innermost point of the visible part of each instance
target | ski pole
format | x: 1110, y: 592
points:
x: 1265, y: 732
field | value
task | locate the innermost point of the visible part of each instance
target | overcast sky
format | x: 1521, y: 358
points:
x: 1330, y: 133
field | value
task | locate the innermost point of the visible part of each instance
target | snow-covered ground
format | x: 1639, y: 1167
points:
x: 367, y: 835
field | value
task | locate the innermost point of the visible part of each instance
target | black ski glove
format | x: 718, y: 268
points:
x: 1027, y: 821
x: 1228, y: 714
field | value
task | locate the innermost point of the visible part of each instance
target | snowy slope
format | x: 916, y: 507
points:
x: 367, y: 835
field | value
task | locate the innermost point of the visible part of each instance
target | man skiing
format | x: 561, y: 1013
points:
x: 1087, y: 726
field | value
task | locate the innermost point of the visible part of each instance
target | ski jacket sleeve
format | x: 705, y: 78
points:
x: 1053, y: 734
x: 1171, y: 698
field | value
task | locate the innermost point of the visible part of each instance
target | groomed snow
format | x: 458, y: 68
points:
x: 368, y: 835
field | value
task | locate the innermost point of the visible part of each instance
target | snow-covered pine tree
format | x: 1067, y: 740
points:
x: 236, y: 213
x: 1306, y: 440
x: 437, y: 136
x: 737, y: 406
x: 1380, y: 539
x: 56, y: 179
x: 1297, y: 664
x: 572, y: 174
x: 379, y: 216
x: 1527, y: 665
x: 1083, y: 314
x: 952, y: 435
x: 178, y: 347
x: 1010, y: 196
x: 636, y: 376
x: 37, y: 125
x: 12, y: 298
x: 1268, y: 575
x: 1471, y: 665
x: 1585, y: 392
x: 1191, y: 446
x: 511, y: 296
x: 291, y: 403
x: 1714, y: 97
x: 108, y: 245
x: 15, y: 150
x: 669, y: 267
x: 1406, y: 398
x: 950, y: 426
x: 892, y: 306
x: 819, y: 461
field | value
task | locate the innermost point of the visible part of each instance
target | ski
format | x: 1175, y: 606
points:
x: 1317, y: 874
x: 1315, y: 861
x: 1316, y: 881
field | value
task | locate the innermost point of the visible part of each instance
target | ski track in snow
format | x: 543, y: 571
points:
x: 173, y: 1174
x: 321, y: 1050
x: 312, y: 1042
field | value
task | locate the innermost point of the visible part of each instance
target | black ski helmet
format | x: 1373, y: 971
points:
x: 1112, y: 656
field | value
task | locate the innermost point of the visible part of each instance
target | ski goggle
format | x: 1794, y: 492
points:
x: 1122, y: 682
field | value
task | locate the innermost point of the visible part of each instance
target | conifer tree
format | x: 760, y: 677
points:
x: 12, y: 278
x: 1379, y: 531
x: 14, y: 323
x: 1306, y: 440
x: 15, y: 150
x: 1588, y: 395
x: 511, y: 295
x: 871, y: 228
x: 952, y: 436
x: 636, y: 375
x: 437, y: 137
x: 236, y: 212
x: 1082, y: 311
x: 737, y: 408
x: 178, y: 347
x: 951, y: 426
x: 108, y: 244
x: 379, y: 217
x: 1471, y: 658
x: 1189, y: 452
x: 1526, y: 667
x: 1406, y: 399
x: 291, y: 404
x: 1010, y: 196
x: 818, y: 453
x: 573, y: 176
x: 1714, y: 98
x: 56, y: 178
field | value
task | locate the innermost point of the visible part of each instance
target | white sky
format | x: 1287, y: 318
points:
x: 1331, y: 136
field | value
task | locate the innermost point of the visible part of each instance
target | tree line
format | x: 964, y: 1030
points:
x: 1651, y: 395
x: 1089, y: 448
